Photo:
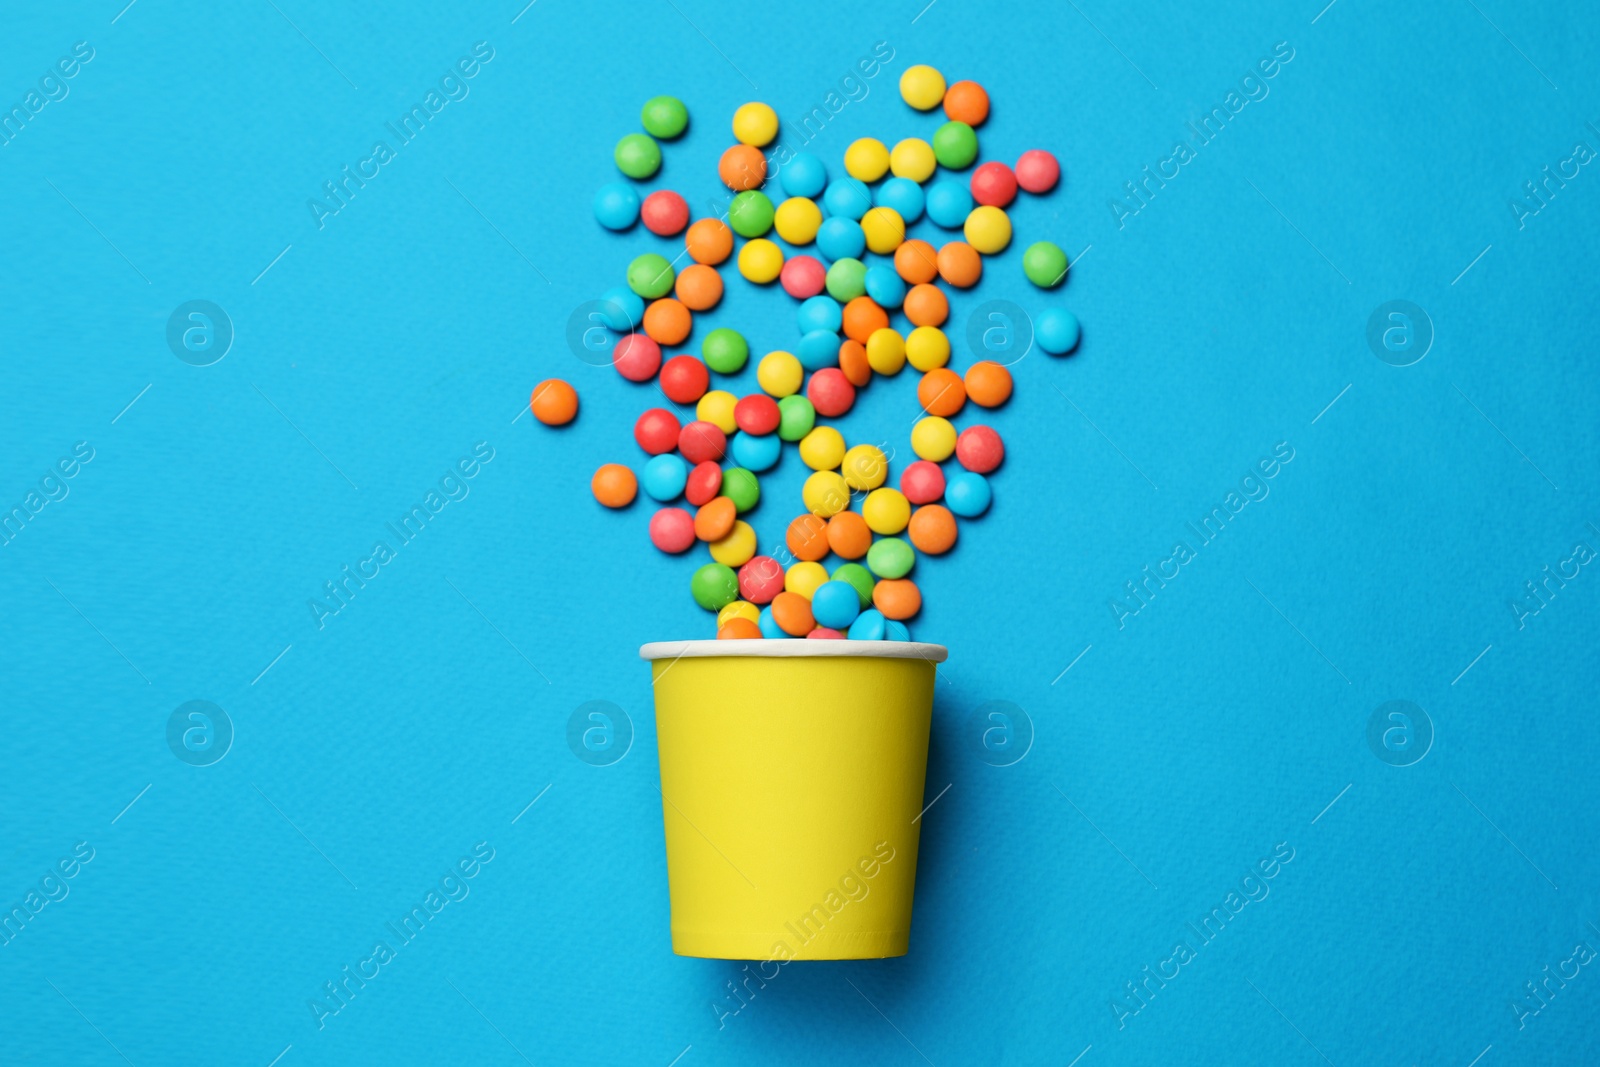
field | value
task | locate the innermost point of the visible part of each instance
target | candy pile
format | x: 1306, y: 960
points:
x: 850, y: 510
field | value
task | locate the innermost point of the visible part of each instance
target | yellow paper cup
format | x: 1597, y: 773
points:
x: 792, y: 786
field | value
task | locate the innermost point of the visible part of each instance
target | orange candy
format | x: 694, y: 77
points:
x: 897, y: 598
x: 554, y: 402
x: 862, y: 316
x: 849, y: 535
x: 698, y: 288
x: 667, y: 322
x: 960, y: 265
x: 739, y: 630
x: 792, y: 613
x: 933, y: 529
x: 966, y: 101
x: 925, y: 306
x: 715, y: 519
x: 941, y: 392
x: 742, y: 167
x: 808, y: 538
x: 916, y: 262
x: 709, y: 241
x: 614, y: 485
x: 853, y: 362
x: 988, y: 384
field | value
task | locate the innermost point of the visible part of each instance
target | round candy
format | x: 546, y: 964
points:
x: 638, y: 156
x: 650, y: 276
x: 637, y: 357
x: 797, y: 219
x: 913, y: 158
x: 902, y: 196
x: 739, y: 609
x: 769, y: 626
x: 803, y: 277
x: 742, y: 167
x: 987, y: 229
x: 756, y: 453
x: 621, y: 309
x: 886, y: 510
x: 796, y: 417
x: 737, y: 548
x: 1045, y: 264
x: 819, y: 313
x: 672, y: 530
x: 886, y: 351
x: 614, y: 485
x: 835, y: 604
x: 862, y: 316
x: 933, y: 439
x: 664, y: 213
x: 698, y: 287
x: 715, y: 519
x: 780, y: 374
x: 1037, y: 171
x: 657, y: 431
x: 818, y: 349
x: 755, y: 124
x: 890, y: 557
x: 664, y: 477
x: 822, y: 449
x: 666, y: 117
x: 966, y: 101
x: 886, y: 288
x: 921, y: 482
x: 865, y: 467
x: 616, y: 205
x: 993, y: 183
x: 949, y: 203
x: 897, y: 599
x: 849, y: 535
x: 760, y: 261
x: 859, y: 578
x: 667, y: 321
x: 554, y: 402
x: 847, y: 279
x: 716, y: 407
x: 807, y: 538
x: 933, y: 530
x: 853, y: 363
x: 804, y: 578
x: 841, y: 238
x: 792, y: 613
x: 960, y: 264
x: 868, y: 626
x: 916, y: 262
x: 927, y: 348
x: 884, y: 229
x: 941, y: 392
x: 706, y: 479
x: 968, y: 494
x: 979, y: 449
x: 803, y: 175
x: 894, y: 630
x: 714, y: 586
x: 1056, y: 330
x: 760, y: 579
x: 739, y: 630
x: 825, y: 633
x: 955, y: 145
x: 702, y: 442
x: 709, y: 241
x: 926, y: 305
x: 867, y: 159
x: 847, y: 198
x: 757, y: 414
x: 825, y: 494
x: 725, y: 350
x: 988, y: 384
x: 922, y: 87
x: 751, y: 213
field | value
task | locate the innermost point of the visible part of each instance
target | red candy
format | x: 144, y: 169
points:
x: 664, y: 213
x: 1038, y: 171
x: 657, y: 431
x: 703, y: 442
x: 824, y: 633
x: 803, y: 277
x: 922, y: 482
x: 994, y: 184
x: 757, y: 414
x: 637, y: 357
x: 705, y: 479
x: 761, y: 579
x: 672, y: 530
x: 684, y: 379
x: 979, y: 449
x: 830, y: 392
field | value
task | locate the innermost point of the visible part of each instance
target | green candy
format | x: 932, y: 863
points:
x: 725, y: 350
x: 664, y: 117
x: 741, y: 487
x: 750, y: 214
x: 638, y: 156
x: 796, y: 417
x: 890, y: 557
x: 1045, y: 264
x: 714, y: 586
x: 955, y: 145
x: 857, y: 575
x: 846, y: 280
x: 651, y: 276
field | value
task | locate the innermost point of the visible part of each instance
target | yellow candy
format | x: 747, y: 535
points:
x: 716, y: 407
x: 885, y: 229
x: 886, y: 351
x: 913, y: 158
x: 866, y: 467
x: 933, y: 439
x: 822, y: 449
x: 803, y: 578
x: 779, y: 374
x: 922, y: 87
x: 987, y: 229
x: 887, y: 512
x: 739, y: 609
x: 866, y: 159
x: 735, y: 549
x: 760, y: 260
x: 796, y: 220
x: 826, y: 493
x: 927, y: 348
x: 755, y: 124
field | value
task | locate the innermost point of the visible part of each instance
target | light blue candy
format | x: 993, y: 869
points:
x: 869, y: 626
x: 848, y: 198
x: 967, y: 494
x: 818, y: 349
x: 1056, y: 330
x: 626, y: 310
x: 949, y: 203
x: 841, y: 238
x: 769, y: 629
x: 904, y: 196
x: 664, y: 477
x: 804, y: 175
x: 820, y: 312
x: 755, y: 453
x: 835, y: 604
x: 894, y: 630
x: 886, y: 287
x: 616, y: 205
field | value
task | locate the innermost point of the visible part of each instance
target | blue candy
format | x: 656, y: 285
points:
x: 848, y: 198
x: 967, y: 494
x: 625, y: 311
x: 804, y: 175
x: 616, y: 205
x: 755, y: 453
x: 1056, y: 330
x: 841, y: 238
x: 769, y: 629
x: 886, y: 287
x: 904, y: 196
x: 869, y: 626
x: 664, y: 477
x: 835, y: 604
x: 821, y: 312
x: 818, y: 349
x: 894, y: 630
x: 949, y: 203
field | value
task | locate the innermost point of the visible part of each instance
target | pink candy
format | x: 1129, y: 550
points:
x: 803, y: 277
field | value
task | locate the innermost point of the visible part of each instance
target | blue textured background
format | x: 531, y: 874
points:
x: 1180, y: 749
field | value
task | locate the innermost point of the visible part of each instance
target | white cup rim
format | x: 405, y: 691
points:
x: 794, y: 649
